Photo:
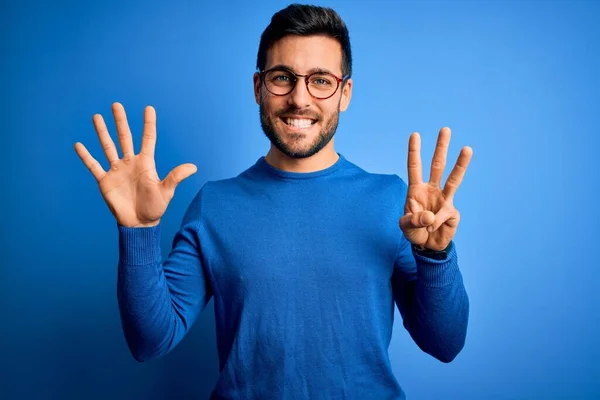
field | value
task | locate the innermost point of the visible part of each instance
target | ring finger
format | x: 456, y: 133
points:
x: 110, y: 150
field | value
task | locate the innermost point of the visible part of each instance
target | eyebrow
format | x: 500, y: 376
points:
x: 310, y: 71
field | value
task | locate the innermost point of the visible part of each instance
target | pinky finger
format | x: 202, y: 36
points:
x: 90, y: 162
x: 448, y: 216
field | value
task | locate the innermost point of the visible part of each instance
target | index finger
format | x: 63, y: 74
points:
x: 415, y: 174
x: 149, y: 133
x: 458, y: 172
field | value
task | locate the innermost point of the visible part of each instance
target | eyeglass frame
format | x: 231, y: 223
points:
x: 296, y: 79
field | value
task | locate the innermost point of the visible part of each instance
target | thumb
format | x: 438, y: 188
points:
x: 177, y: 175
x: 420, y: 219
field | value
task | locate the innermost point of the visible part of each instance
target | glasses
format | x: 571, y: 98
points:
x: 321, y: 85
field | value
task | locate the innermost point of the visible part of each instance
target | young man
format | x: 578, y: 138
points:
x: 304, y: 253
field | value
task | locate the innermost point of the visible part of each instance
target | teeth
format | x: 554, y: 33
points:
x: 298, y: 123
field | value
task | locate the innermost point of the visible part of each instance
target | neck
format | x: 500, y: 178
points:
x: 325, y: 158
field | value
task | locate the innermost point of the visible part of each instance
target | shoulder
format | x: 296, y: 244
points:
x: 215, y: 190
x: 387, y: 183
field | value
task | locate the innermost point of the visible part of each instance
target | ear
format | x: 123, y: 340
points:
x: 346, y: 95
x: 256, y: 78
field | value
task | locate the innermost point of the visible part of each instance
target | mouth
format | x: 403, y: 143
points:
x: 298, y: 123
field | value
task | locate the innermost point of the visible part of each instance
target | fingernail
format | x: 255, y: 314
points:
x: 430, y: 228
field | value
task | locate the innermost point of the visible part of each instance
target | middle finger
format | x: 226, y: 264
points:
x: 125, y: 139
x: 438, y: 163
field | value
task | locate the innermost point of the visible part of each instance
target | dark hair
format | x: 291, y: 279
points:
x: 306, y: 20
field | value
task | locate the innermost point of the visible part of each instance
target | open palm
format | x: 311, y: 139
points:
x: 430, y: 219
x: 131, y: 188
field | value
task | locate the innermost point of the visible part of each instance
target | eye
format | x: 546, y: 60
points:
x: 322, y: 80
x: 281, y: 78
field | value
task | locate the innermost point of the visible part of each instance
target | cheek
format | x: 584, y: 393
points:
x: 271, y: 105
x: 330, y: 111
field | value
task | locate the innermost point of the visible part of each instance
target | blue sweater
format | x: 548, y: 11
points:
x: 304, y: 270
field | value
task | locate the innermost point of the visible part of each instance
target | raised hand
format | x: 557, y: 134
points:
x: 131, y: 187
x: 430, y: 219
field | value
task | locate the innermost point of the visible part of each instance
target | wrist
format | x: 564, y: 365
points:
x: 429, y: 253
x: 140, y: 224
x: 147, y: 225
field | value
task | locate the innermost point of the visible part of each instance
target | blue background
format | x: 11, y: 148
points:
x: 517, y: 81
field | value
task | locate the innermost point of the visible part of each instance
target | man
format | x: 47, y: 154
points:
x: 304, y: 253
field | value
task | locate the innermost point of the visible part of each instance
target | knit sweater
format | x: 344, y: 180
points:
x: 305, y: 270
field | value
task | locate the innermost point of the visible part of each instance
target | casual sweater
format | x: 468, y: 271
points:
x: 305, y: 270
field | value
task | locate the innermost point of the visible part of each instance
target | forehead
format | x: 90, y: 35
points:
x: 303, y: 53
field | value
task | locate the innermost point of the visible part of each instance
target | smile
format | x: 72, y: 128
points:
x: 298, y: 123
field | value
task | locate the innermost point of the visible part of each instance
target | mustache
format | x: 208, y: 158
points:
x: 298, y: 113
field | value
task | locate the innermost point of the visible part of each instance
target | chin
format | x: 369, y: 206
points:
x: 295, y: 149
x: 306, y: 146
x: 297, y: 141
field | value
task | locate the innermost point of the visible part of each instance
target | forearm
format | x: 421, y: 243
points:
x: 147, y: 314
x: 157, y: 301
x: 437, y: 307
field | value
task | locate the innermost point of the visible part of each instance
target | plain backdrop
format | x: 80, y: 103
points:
x: 516, y: 80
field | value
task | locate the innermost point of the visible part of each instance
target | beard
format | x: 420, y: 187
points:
x: 327, y: 132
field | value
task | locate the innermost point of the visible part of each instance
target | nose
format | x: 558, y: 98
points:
x: 300, y: 96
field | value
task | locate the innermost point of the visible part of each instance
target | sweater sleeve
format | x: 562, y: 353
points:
x: 160, y: 300
x: 432, y: 301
